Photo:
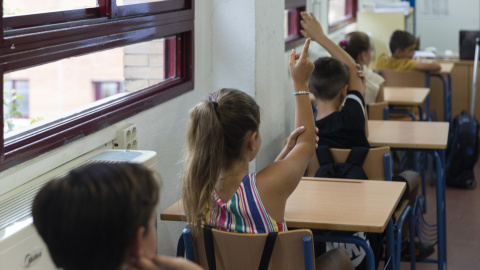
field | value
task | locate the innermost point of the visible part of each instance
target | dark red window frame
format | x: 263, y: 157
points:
x: 294, y: 38
x: 25, y: 46
x: 351, y: 7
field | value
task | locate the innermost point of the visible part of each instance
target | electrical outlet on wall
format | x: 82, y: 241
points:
x: 126, y: 138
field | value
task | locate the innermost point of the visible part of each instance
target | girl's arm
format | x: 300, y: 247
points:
x: 280, y: 178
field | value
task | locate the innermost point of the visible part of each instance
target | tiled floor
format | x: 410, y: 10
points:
x: 463, y: 227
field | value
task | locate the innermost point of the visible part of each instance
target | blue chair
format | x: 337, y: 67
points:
x: 291, y: 250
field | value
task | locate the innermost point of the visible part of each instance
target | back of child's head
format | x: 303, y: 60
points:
x: 328, y: 78
x: 401, y: 40
x: 217, y: 133
x: 355, y: 43
x: 89, y: 217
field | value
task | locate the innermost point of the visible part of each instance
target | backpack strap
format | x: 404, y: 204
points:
x: 209, y: 247
x: 357, y: 156
x: 324, y: 156
x: 181, y: 247
x: 267, y: 250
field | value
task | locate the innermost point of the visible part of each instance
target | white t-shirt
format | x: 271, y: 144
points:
x: 373, y: 81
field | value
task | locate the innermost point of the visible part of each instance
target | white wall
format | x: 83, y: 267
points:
x: 442, y: 32
x: 238, y: 44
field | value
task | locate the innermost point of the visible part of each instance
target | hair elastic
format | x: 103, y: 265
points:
x: 215, y: 105
x: 343, y: 43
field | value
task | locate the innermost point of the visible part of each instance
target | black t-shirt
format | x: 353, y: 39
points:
x: 346, y: 128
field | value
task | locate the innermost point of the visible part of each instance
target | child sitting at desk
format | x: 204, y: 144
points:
x: 360, y: 47
x: 333, y: 82
x: 223, y: 137
x: 102, y: 217
x: 402, y: 46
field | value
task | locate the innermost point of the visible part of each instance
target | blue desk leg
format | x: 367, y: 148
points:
x: 439, y: 157
x: 350, y: 239
x: 391, y: 246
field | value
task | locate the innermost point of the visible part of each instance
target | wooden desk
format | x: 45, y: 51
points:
x: 430, y: 137
x: 332, y: 204
x: 406, y: 134
x: 405, y: 95
x: 446, y: 68
x: 343, y: 205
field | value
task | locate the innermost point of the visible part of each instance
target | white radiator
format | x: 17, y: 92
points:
x: 20, y: 245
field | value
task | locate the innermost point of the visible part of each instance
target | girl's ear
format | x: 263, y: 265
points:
x: 252, y: 138
x: 135, y: 250
x: 363, y: 56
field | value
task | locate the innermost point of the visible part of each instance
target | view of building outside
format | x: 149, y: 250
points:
x: 336, y: 10
x: 51, y: 91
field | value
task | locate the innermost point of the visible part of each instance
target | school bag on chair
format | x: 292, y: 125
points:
x: 351, y: 169
x: 462, y: 149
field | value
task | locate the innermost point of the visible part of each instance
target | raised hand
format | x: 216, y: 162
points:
x: 301, y: 69
x: 311, y: 27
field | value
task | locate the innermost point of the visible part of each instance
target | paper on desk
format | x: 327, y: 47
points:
x: 424, y: 54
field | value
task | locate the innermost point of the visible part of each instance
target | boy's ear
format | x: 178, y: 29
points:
x: 397, y: 53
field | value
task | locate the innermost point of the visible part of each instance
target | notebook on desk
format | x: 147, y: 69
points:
x: 467, y: 44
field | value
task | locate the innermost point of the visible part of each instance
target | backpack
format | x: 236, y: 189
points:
x: 462, y: 151
x: 351, y: 169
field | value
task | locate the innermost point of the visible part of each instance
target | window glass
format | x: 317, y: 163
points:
x: 336, y: 10
x: 74, y: 84
x: 132, y: 2
x: 290, y: 26
x: 23, y: 7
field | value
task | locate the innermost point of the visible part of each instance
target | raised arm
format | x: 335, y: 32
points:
x: 313, y: 29
x: 283, y: 175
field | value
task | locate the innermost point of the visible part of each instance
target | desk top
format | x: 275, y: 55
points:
x: 405, y: 95
x: 446, y: 68
x: 408, y: 134
x: 335, y: 204
x: 343, y: 204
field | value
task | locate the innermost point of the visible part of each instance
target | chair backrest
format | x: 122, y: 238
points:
x: 376, y: 111
x: 404, y: 78
x: 244, y: 251
x: 376, y: 166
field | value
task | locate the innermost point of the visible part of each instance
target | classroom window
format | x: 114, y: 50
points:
x: 341, y: 13
x: 88, y: 68
x: 292, y: 26
x: 15, y: 104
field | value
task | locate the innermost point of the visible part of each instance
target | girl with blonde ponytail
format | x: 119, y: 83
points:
x: 223, y: 137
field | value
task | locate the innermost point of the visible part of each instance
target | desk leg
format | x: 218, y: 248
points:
x: 439, y: 158
x: 447, y: 106
x: 354, y: 240
x: 391, y: 247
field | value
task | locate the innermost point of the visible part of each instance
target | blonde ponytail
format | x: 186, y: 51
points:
x: 217, y: 131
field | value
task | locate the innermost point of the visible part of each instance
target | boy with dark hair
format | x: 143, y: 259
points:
x: 402, y: 46
x: 335, y: 80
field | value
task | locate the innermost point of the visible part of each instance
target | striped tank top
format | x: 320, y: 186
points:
x: 244, y: 212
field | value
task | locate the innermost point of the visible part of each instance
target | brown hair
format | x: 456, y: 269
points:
x: 217, y: 132
x: 328, y: 78
x: 401, y: 40
x: 89, y: 217
x: 355, y: 43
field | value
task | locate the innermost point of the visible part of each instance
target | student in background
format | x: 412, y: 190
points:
x: 360, y: 47
x: 223, y: 137
x: 102, y: 216
x: 402, y: 46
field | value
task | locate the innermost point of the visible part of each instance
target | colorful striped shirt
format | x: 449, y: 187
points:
x: 244, y: 212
